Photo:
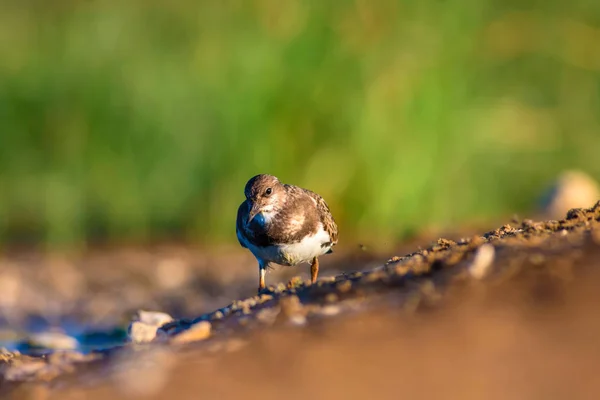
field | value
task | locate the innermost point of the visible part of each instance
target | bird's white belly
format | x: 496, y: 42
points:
x: 294, y: 253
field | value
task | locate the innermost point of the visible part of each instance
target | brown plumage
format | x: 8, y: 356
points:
x: 284, y: 224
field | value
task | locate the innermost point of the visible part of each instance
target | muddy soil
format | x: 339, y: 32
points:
x: 507, y: 314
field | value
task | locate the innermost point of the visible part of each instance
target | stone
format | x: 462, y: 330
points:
x: 330, y: 310
x: 140, y: 332
x: 197, y: 332
x: 344, y: 286
x: 145, y: 324
x: 481, y: 265
x: 153, y: 318
x: 52, y: 340
x: 572, y: 189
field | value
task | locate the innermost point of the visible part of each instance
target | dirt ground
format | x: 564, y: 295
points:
x: 510, y: 314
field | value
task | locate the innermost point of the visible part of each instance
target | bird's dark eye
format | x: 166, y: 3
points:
x: 268, y: 192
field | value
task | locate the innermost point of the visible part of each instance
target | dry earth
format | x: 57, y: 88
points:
x: 511, y: 314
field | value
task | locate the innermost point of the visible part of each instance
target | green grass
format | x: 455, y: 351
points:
x: 135, y: 120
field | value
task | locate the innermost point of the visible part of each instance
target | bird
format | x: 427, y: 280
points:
x: 284, y: 224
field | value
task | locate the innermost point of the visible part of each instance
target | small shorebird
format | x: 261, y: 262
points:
x: 284, y: 224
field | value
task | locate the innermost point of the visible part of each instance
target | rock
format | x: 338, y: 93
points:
x: 199, y: 331
x: 572, y: 189
x: 484, y: 258
x: 330, y: 310
x: 52, y: 340
x: 140, y: 332
x: 296, y: 281
x: 145, y: 324
x: 344, y: 286
x: 153, y: 318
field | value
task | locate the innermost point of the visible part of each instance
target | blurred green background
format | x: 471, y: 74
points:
x: 143, y: 119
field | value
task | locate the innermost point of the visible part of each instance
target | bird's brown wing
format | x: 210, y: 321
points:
x: 326, y: 218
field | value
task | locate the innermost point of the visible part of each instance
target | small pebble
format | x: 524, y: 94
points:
x: 394, y: 259
x: 197, y: 332
x: 297, y: 320
x: 330, y: 310
x: 52, y: 340
x: 145, y: 324
x: 484, y: 258
x: 294, y: 282
x: 344, y: 286
x: 327, y: 279
x: 265, y: 297
x: 572, y: 189
x: 217, y: 315
x: 153, y: 317
x: 280, y: 287
x: 140, y: 332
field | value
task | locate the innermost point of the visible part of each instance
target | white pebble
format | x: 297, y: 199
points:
x: 145, y: 324
x: 53, y: 340
x: 484, y: 257
x: 153, y: 318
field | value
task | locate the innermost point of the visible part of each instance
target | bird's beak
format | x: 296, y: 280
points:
x: 253, y: 211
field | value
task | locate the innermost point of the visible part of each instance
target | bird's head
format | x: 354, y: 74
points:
x: 263, y: 192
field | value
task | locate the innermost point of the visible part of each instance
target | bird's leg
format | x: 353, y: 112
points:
x: 262, y: 269
x: 314, y: 270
